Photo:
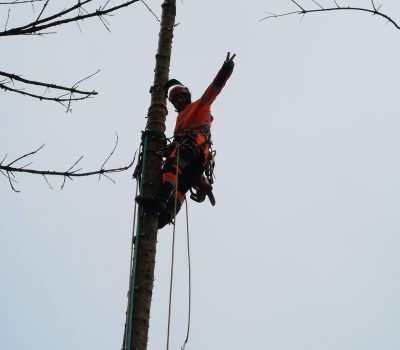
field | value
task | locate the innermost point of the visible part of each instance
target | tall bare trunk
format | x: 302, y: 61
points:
x: 148, y: 222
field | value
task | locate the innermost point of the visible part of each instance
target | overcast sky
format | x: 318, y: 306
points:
x: 301, y: 250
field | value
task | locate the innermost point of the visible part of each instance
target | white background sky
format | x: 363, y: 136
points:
x: 301, y: 250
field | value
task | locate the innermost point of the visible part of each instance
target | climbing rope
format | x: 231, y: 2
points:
x: 173, y: 247
x: 133, y: 256
x: 189, y: 278
x: 173, y: 259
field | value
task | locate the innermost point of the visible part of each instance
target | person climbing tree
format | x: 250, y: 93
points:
x: 188, y: 155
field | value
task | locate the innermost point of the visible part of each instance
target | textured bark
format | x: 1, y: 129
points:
x: 148, y: 227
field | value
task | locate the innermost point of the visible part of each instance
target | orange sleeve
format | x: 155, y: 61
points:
x: 217, y: 85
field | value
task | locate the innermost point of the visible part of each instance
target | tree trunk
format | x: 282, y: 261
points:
x: 153, y: 139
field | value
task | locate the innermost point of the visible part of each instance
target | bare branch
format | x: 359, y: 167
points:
x: 57, y: 19
x: 374, y: 11
x: 59, y: 99
x: 16, y: 2
x: 51, y: 86
x: 64, y: 99
x: 11, y: 168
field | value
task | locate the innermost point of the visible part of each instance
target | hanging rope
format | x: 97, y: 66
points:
x: 134, y: 244
x: 173, y: 259
x: 173, y: 247
x: 189, y: 277
x: 128, y: 313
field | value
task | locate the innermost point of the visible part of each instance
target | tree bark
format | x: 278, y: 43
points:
x: 154, y: 140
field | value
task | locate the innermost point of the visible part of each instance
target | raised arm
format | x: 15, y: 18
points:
x: 219, y: 81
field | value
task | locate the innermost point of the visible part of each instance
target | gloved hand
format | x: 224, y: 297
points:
x: 168, y: 149
x: 225, y: 71
x: 229, y: 60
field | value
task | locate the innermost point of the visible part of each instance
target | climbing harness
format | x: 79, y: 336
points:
x: 197, y: 141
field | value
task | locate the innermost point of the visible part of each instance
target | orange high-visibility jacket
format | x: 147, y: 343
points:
x: 197, y: 115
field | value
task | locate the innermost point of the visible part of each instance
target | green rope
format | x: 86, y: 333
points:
x: 130, y: 268
x: 133, y: 273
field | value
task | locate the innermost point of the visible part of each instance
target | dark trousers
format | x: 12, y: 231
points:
x: 187, y: 161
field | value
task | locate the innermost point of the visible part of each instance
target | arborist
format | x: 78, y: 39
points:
x: 189, y: 153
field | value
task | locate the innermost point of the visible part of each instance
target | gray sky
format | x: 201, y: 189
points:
x: 301, y: 250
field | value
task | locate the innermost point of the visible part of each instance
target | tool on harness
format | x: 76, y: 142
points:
x: 203, y: 186
x: 201, y: 189
x: 209, y: 171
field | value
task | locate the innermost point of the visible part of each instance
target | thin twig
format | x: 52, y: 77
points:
x: 105, y: 175
x: 9, y: 180
x: 26, y: 155
x: 44, y: 176
x: 8, y: 17
x: 80, y: 158
x: 298, y: 5
x: 4, y: 159
x: 105, y: 23
x: 43, y: 8
x: 110, y: 155
x: 317, y: 4
x: 151, y: 11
